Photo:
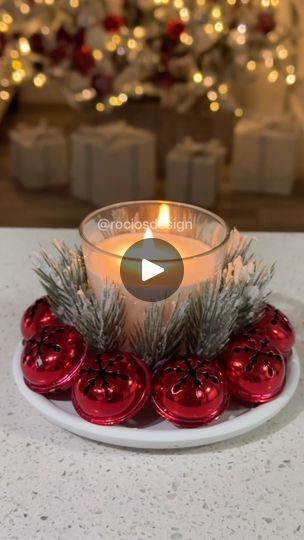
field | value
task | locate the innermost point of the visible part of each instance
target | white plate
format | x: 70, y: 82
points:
x: 150, y: 431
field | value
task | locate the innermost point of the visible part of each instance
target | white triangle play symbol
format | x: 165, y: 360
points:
x: 150, y: 270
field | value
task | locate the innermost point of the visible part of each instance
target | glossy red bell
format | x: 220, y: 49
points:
x: 111, y: 387
x: 278, y: 329
x: 254, y: 369
x: 52, y: 357
x: 189, y: 391
x: 36, y: 317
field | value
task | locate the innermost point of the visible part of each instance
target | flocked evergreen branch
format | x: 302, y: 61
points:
x: 238, y: 246
x: 65, y: 282
x: 62, y: 278
x: 156, y: 339
x: 211, y: 317
x: 250, y: 284
x: 204, y: 323
x: 230, y: 304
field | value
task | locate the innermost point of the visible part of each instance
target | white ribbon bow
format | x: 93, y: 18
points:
x: 192, y: 148
x: 30, y: 134
x: 109, y: 132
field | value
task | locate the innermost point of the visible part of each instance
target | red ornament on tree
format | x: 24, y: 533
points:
x: 78, y: 37
x: 37, y: 43
x: 110, y: 387
x: 189, y: 391
x: 254, y: 368
x: 52, y: 357
x: 2, y: 43
x: 278, y: 329
x: 83, y: 59
x: 59, y: 54
x: 266, y: 22
x: 112, y: 22
x: 36, y: 317
x: 102, y: 84
x: 174, y: 29
x: 63, y: 36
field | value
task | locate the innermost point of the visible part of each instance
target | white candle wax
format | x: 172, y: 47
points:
x: 103, y: 265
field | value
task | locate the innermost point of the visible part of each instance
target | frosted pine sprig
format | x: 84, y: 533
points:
x: 203, y: 324
x: 229, y: 304
x: 211, y: 318
x: 156, y: 340
x: 100, y: 321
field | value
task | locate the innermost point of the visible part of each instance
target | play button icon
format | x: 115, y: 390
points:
x: 152, y: 269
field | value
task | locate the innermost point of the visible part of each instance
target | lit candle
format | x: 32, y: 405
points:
x: 201, y: 260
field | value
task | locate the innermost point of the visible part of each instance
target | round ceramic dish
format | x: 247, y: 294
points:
x: 149, y: 431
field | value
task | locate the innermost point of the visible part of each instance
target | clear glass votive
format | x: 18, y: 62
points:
x: 198, y: 235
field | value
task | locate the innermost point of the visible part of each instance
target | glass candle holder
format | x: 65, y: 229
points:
x: 199, y: 236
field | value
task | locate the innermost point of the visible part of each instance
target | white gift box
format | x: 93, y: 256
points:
x: 113, y: 162
x: 193, y: 170
x: 38, y: 156
x: 264, y: 155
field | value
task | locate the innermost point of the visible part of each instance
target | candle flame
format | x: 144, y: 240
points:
x: 148, y: 233
x: 163, y: 219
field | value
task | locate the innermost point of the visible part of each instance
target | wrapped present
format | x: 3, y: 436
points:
x: 38, y: 156
x: 193, y: 171
x: 112, y: 162
x: 264, y: 156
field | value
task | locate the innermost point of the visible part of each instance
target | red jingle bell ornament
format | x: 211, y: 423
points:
x: 189, y: 391
x: 36, y: 317
x: 111, y: 387
x: 254, y: 369
x: 278, y: 329
x: 52, y: 357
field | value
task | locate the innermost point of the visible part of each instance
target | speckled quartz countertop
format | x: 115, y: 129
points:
x: 55, y: 485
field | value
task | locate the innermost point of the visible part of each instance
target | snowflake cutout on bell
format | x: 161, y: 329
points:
x: 277, y: 328
x: 111, y: 387
x: 52, y: 357
x: 254, y: 369
x: 189, y: 391
x: 36, y: 317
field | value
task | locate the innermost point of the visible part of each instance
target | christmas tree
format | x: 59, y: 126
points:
x: 108, y: 51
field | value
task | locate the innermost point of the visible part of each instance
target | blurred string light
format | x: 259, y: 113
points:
x: 100, y: 107
x: 212, y: 23
x: 39, y: 80
x: 212, y: 95
x: 97, y: 54
x: 24, y: 46
x: 198, y: 77
x: 238, y: 112
x: 214, y: 106
x: 4, y: 95
x: 223, y: 89
x: 273, y: 76
x: 251, y: 65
